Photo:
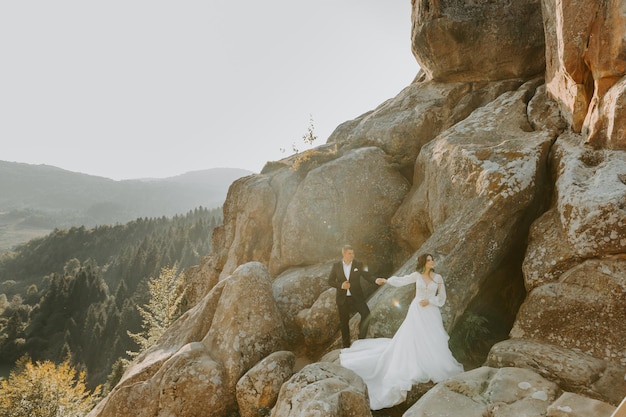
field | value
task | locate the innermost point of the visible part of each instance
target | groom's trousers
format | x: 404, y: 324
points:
x: 353, y: 305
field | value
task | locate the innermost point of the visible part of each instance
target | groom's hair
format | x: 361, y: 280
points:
x: 345, y: 248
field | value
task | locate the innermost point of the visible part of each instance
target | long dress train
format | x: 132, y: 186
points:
x: 417, y: 353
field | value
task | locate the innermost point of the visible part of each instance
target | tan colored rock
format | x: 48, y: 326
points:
x: 543, y: 112
x: 607, y: 41
x: 576, y: 286
x: 478, y: 41
x: 588, y: 219
x: 402, y: 125
x: 248, y: 324
x: 297, y: 289
x: 549, y: 253
x: 258, y: 389
x: 584, y: 60
x: 320, y: 323
x: 286, y: 183
x: 190, y: 327
x: 568, y: 78
x: 196, y: 364
x: 591, y: 197
x: 137, y: 400
x: 175, y: 387
x: 506, y: 392
x: 477, y: 187
x: 584, y: 310
x: 483, y: 160
x: 620, y: 411
x: 190, y: 375
x: 571, y: 369
x: 332, y: 356
x: 573, y: 405
x: 196, y: 283
x: 259, y: 209
x: 323, y: 389
x: 247, y: 231
x: 510, y: 385
x: 605, y: 125
x: 348, y: 200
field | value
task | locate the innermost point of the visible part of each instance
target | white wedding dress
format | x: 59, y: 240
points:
x: 417, y: 353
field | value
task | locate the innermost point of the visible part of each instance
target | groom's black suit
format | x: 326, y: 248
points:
x: 351, y: 303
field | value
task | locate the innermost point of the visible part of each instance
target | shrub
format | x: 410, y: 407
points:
x: 43, y: 389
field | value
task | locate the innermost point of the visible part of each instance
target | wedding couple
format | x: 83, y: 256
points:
x: 417, y: 353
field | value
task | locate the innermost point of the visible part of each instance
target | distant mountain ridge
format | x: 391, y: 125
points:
x: 44, y: 197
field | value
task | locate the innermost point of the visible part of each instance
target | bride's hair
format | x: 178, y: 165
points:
x: 421, y: 262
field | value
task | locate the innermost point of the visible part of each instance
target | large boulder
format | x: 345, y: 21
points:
x: 263, y: 213
x: 477, y: 188
x: 248, y: 324
x: 583, y: 310
x: 575, y: 272
x: 505, y: 392
x: 402, y: 125
x: 348, y: 200
x: 590, y: 197
x: 196, y: 283
x: 574, y: 405
x: 258, y: 389
x: 568, y: 77
x: 297, y: 289
x: 587, y: 219
x: 320, y: 322
x: 606, y: 120
x: 574, y: 266
x: 478, y: 41
x: 246, y: 234
x: 323, y: 389
x: 571, y: 369
x: 585, y: 60
x: 193, y: 369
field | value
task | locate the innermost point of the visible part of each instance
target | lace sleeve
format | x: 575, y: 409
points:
x: 402, y: 281
x: 439, y: 297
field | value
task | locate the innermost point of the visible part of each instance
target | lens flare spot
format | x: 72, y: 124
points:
x: 396, y: 303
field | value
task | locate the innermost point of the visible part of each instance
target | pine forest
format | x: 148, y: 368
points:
x: 77, y: 294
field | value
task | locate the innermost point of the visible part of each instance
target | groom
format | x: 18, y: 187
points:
x: 346, y: 276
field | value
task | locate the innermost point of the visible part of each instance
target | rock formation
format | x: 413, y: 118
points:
x: 505, y: 158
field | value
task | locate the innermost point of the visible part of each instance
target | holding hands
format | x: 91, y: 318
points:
x: 346, y: 284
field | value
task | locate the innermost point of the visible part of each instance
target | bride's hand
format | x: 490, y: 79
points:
x: 424, y: 303
x: 381, y: 281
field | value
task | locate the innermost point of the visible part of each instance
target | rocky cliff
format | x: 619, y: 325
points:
x: 505, y: 158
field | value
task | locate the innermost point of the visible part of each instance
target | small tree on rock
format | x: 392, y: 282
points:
x: 161, y: 311
x: 309, y: 137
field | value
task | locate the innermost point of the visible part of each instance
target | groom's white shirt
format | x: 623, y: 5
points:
x: 346, y: 271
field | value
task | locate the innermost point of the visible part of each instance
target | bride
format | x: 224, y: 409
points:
x: 417, y: 353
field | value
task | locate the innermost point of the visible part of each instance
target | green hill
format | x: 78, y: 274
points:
x: 36, y: 199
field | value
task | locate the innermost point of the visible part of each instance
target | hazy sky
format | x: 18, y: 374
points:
x: 152, y: 88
